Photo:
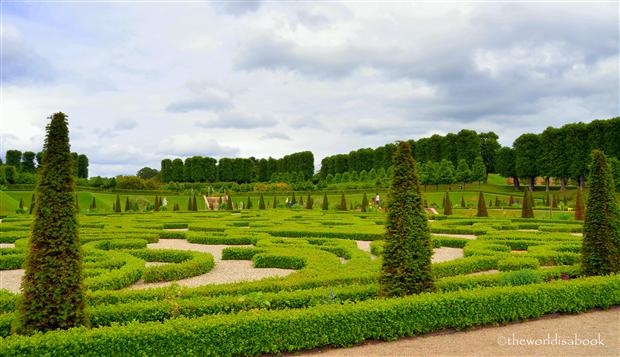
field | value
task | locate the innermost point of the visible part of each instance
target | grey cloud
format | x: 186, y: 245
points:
x: 280, y: 136
x: 206, y: 102
x: 22, y: 64
x: 236, y: 120
x: 237, y: 8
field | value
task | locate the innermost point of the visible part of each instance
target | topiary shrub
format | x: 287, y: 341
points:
x: 600, y: 248
x: 53, y: 285
x: 517, y: 263
x: 482, y: 208
x: 406, y: 267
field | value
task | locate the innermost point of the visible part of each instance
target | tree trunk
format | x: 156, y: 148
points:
x: 547, y: 179
x: 532, y: 181
x: 562, y: 184
x: 515, y: 182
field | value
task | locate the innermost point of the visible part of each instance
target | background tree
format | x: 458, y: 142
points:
x: 82, y: 166
x: 27, y: 164
x: 479, y: 171
x: 52, y: 286
x: 527, y: 148
x: 146, y: 173
x: 489, y: 147
x: 14, y: 158
x: 600, y: 249
x: 463, y: 174
x: 506, y: 165
x: 446, y: 173
x: 482, y: 207
x: 406, y: 267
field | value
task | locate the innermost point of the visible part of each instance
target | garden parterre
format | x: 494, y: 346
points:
x: 330, y: 299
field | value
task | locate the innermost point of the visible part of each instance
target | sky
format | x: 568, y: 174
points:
x: 143, y: 81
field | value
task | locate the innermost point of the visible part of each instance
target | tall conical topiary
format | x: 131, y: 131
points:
x: 462, y: 201
x: 309, y: 202
x: 600, y: 248
x: 301, y: 200
x: 127, y: 204
x: 249, y: 203
x: 156, y: 204
x: 526, y: 207
x: 189, y: 203
x: 482, y: 206
x: 93, y: 204
x: 325, y: 203
x: 343, y: 203
x: 176, y: 207
x: 497, y: 204
x: 554, y: 201
x: 364, y: 206
x: 447, y: 205
x: 194, y: 203
x: 275, y: 202
x: 580, y: 213
x: 229, y: 204
x: 21, y: 204
x: 293, y: 200
x: 261, y: 202
x: 511, y: 201
x: 52, y: 286
x: 32, y: 202
x: 117, y: 206
x: 406, y: 267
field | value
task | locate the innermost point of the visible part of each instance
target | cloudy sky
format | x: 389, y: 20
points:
x: 142, y: 81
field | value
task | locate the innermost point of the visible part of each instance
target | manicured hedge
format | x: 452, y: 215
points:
x: 266, y: 260
x: 517, y: 263
x: 256, y: 332
x: 185, y: 264
x: 240, y: 253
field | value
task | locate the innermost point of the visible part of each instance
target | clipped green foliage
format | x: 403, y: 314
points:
x: 447, y: 205
x: 275, y: 202
x: 32, y: 202
x: 343, y: 203
x: 127, y: 204
x: 520, y: 277
x: 117, y: 204
x: 229, y: 204
x: 580, y: 213
x: 463, y: 201
x: 52, y: 287
x: 482, y: 207
x: 93, y: 204
x: 189, y: 203
x: 601, y: 233
x: 364, y: 206
x: 194, y: 204
x: 325, y: 203
x: 249, y: 203
x: 309, y: 202
x: 406, y: 267
x: 526, y: 208
x: 261, y: 202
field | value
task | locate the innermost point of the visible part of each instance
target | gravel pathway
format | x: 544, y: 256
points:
x: 442, y: 254
x: 504, y: 340
x: 225, y: 271
x: 11, y: 279
x: 7, y: 245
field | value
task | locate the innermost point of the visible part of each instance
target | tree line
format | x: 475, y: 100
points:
x: 240, y: 170
x: 21, y: 167
x: 562, y: 153
x: 467, y: 145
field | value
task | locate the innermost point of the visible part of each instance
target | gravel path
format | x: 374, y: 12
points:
x: 466, y: 236
x: 11, y: 279
x: 442, y: 254
x: 7, y: 245
x: 503, y: 340
x: 225, y: 271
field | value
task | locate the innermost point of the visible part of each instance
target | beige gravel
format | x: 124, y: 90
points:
x: 7, y: 245
x: 500, y: 340
x: 11, y: 279
x: 445, y: 254
x: 442, y: 254
x: 466, y: 236
x: 225, y: 271
x: 577, y: 234
x: 484, y: 272
x: 176, y: 229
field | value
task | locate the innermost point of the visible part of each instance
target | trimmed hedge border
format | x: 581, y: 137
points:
x: 255, y: 332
